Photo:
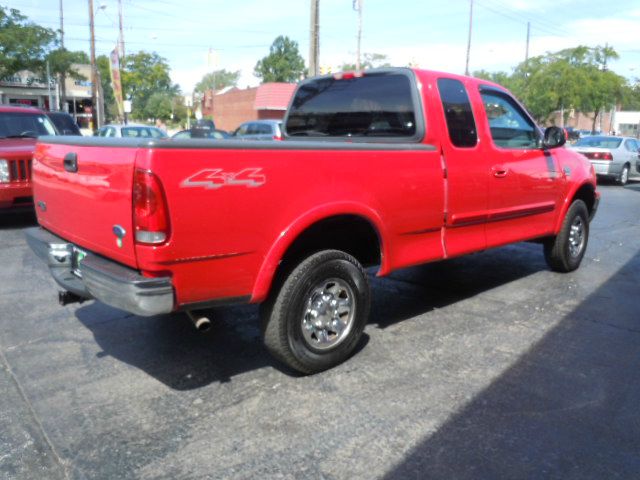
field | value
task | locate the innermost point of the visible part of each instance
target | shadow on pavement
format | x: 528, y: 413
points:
x: 18, y: 219
x: 567, y: 409
x: 427, y: 287
x: 172, y: 351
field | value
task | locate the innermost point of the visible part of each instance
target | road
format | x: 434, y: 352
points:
x: 487, y: 366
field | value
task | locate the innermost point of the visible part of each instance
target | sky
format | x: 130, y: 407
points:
x: 429, y: 34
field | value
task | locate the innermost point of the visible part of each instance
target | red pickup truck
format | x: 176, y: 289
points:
x: 392, y: 167
x: 19, y: 128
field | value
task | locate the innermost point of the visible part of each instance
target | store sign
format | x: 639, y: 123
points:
x: 25, y: 79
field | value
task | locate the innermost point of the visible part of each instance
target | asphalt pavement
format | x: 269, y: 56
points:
x: 486, y: 366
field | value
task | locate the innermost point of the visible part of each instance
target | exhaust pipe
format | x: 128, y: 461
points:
x: 65, y: 298
x: 199, y: 321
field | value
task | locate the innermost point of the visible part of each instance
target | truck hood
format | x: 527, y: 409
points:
x: 17, y: 146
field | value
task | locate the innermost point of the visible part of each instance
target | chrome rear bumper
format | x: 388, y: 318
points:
x: 100, y: 278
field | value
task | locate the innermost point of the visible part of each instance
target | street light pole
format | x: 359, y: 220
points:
x: 314, y: 41
x: 94, y: 77
x: 357, y: 6
x: 466, y: 68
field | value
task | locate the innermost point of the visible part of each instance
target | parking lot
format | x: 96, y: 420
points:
x: 486, y: 366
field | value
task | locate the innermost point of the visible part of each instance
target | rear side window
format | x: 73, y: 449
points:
x: 458, y: 113
x: 374, y: 105
x: 509, y: 124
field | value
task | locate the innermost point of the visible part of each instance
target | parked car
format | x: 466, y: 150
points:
x: 19, y: 129
x: 260, y: 130
x: 65, y: 124
x: 572, y: 134
x: 130, y: 130
x: 202, y: 133
x: 613, y: 157
x: 375, y: 170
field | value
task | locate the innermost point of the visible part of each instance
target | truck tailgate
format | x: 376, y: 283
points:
x: 84, y: 206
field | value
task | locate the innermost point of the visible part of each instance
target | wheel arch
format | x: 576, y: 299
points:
x: 353, y: 228
x: 585, y: 192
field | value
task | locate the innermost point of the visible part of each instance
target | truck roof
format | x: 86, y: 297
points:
x: 25, y: 109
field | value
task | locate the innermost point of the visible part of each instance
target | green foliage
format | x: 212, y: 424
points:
x: 369, y: 60
x: 61, y: 62
x: 110, y: 107
x: 23, y: 44
x: 283, y: 64
x: 143, y: 75
x: 631, y: 96
x: 159, y: 105
x: 574, y: 78
x: 218, y: 80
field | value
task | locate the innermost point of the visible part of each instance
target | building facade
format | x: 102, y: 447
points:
x: 232, y: 106
x: 30, y: 89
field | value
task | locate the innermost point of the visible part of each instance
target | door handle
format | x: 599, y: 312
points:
x: 500, y: 171
x: 70, y: 162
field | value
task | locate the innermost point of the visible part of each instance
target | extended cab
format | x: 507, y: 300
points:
x: 19, y: 129
x: 392, y: 167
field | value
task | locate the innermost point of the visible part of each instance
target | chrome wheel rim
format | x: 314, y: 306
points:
x: 329, y: 313
x: 576, y: 237
x: 624, y: 176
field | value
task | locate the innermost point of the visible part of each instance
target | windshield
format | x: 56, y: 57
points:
x: 24, y: 125
x: 600, y: 142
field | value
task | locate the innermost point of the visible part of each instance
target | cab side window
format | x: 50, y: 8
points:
x: 458, y: 113
x: 509, y: 124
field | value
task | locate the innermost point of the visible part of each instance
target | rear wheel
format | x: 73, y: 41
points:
x: 624, y: 175
x: 564, y: 252
x: 316, y: 318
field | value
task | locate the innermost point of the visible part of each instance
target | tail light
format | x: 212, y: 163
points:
x: 277, y: 137
x: 150, y: 212
x: 598, y: 155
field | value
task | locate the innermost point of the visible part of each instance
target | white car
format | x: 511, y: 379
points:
x: 613, y: 157
x: 131, y: 130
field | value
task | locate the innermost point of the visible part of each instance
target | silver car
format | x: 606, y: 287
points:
x: 259, y: 130
x: 613, y: 157
x: 130, y: 130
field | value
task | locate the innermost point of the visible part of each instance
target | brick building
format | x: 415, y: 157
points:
x: 230, y: 107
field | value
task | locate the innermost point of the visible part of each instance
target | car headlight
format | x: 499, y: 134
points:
x: 4, y: 171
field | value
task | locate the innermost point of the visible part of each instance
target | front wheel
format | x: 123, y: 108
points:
x: 316, y: 318
x: 564, y: 252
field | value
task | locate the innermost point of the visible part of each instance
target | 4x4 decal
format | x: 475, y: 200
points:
x: 216, y: 178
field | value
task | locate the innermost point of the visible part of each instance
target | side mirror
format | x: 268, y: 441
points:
x: 554, y: 137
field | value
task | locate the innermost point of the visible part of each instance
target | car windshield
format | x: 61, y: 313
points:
x: 24, y: 125
x: 600, y: 142
x: 142, y: 132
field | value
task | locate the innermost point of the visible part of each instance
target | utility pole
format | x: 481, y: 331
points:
x: 94, y: 77
x: 314, y: 40
x: 121, y: 40
x: 466, y: 68
x: 526, y: 54
x: 357, y: 6
x: 61, y: 26
x: 62, y: 77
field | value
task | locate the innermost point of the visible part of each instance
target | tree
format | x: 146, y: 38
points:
x: 23, y: 44
x: 369, y: 60
x: 575, y: 78
x: 159, y: 105
x: 218, y: 80
x: 61, y: 63
x: 110, y: 107
x: 283, y: 64
x: 631, y: 96
x: 143, y: 75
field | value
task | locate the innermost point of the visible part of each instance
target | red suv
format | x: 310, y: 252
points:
x: 19, y: 129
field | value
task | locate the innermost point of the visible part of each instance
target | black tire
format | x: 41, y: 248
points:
x: 560, y: 252
x: 624, y: 175
x: 287, y: 310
